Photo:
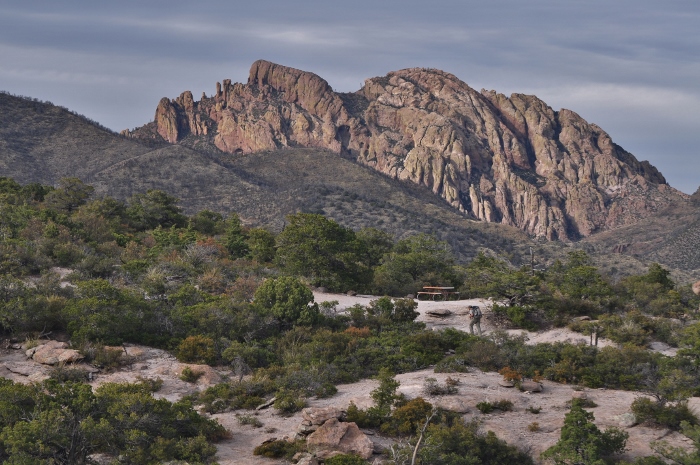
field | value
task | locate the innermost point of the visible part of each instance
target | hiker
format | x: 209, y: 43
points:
x: 475, y: 316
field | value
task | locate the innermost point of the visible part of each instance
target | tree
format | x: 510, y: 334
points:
x: 679, y: 455
x: 154, y: 208
x: 207, y: 222
x: 261, y: 244
x: 288, y: 300
x: 373, y: 245
x: 322, y: 250
x: 488, y: 276
x: 235, y: 238
x: 71, y: 193
x: 659, y: 275
x: 461, y: 443
x: 415, y: 262
x: 397, y: 311
x: 582, y: 443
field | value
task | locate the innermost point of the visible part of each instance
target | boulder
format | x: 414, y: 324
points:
x: 335, y: 437
x: 506, y: 383
x: 627, y: 420
x: 38, y: 377
x: 69, y: 356
x: 319, y: 415
x: 579, y: 395
x: 439, y: 313
x: 25, y: 368
x: 304, y: 458
x: 305, y: 430
x: 531, y: 386
x: 48, y: 353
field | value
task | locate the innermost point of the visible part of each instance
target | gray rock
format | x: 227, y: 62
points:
x: 531, y: 386
x: 506, y: 383
x: 25, y: 368
x: 439, y: 313
x: 319, y: 415
x: 627, y: 420
x: 334, y: 437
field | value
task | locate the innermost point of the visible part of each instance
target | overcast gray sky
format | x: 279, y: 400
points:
x: 630, y: 66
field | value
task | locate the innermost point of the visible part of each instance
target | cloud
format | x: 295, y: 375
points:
x: 632, y: 66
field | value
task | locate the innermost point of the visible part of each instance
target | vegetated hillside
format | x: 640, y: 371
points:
x: 40, y: 142
x: 670, y: 237
x: 508, y: 160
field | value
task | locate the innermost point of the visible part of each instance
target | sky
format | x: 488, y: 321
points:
x: 630, y: 66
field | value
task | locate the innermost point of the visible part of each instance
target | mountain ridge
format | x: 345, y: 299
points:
x: 43, y: 143
x: 510, y: 160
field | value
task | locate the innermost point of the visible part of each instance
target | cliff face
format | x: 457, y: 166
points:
x: 510, y: 160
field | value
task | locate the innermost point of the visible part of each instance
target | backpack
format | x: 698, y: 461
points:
x: 476, y: 312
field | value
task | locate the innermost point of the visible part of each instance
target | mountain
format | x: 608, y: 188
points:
x: 509, y: 160
x: 40, y: 142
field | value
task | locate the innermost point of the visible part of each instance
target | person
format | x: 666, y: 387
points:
x: 475, y: 316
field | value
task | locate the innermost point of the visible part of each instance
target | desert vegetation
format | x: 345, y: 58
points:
x: 213, y: 291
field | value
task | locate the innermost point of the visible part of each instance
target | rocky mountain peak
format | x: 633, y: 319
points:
x: 511, y: 160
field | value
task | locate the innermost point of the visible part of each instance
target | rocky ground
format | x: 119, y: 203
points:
x: 516, y: 427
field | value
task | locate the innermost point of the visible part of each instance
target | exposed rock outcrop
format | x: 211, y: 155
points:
x: 335, y: 437
x: 511, y: 160
x: 53, y: 353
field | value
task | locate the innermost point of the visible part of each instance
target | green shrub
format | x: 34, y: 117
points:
x: 345, y: 459
x: 370, y: 418
x: 105, y: 357
x: 459, y: 443
x: 488, y: 407
x: 279, y: 448
x: 246, y: 395
x: 503, y: 405
x: 583, y: 403
x: 666, y: 415
x: 289, y: 402
x: 249, y: 420
x: 190, y: 376
x: 452, y: 364
x: 431, y: 387
x: 485, y: 407
x: 407, y: 419
x: 63, y: 374
x: 197, y: 349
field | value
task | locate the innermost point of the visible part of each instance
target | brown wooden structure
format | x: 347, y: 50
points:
x: 437, y: 293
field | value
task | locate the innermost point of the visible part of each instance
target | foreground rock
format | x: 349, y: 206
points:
x: 320, y: 415
x: 531, y: 386
x: 53, y: 353
x: 334, y: 437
